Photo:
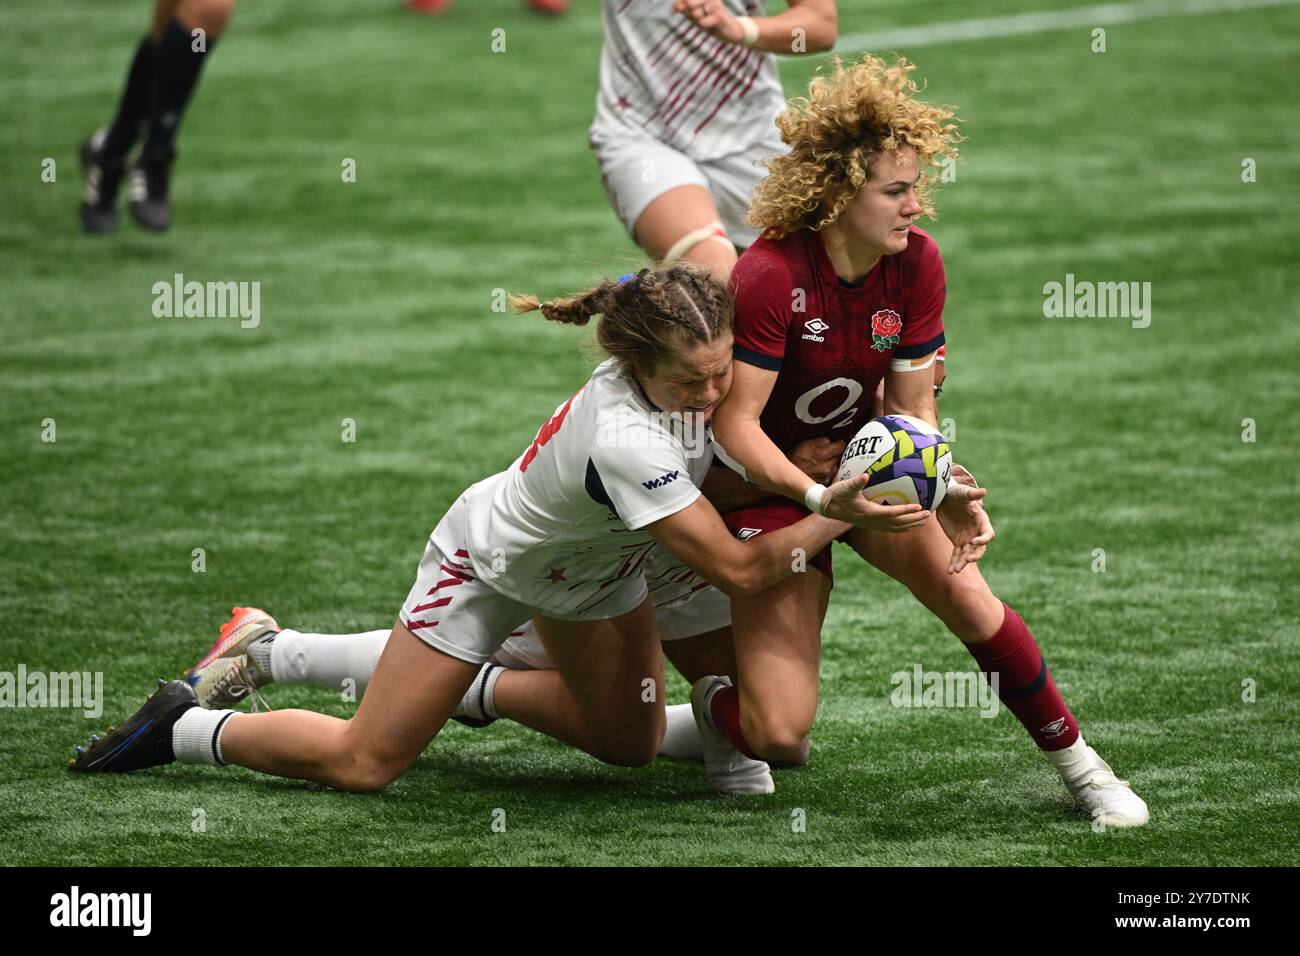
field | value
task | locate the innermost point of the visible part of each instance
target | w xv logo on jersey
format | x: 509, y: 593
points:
x: 662, y: 480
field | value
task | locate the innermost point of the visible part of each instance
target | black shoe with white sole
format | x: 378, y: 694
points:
x: 149, y: 193
x: 102, y: 182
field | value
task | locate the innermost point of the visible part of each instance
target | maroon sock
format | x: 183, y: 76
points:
x: 724, y: 708
x: 1024, y: 685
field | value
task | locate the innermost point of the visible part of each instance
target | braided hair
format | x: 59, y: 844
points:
x: 646, y: 317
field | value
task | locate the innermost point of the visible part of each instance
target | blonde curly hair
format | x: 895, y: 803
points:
x: 849, y: 117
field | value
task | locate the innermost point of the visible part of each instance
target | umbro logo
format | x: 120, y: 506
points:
x: 662, y: 480
x: 1054, y: 729
x: 744, y: 534
x: 816, y: 327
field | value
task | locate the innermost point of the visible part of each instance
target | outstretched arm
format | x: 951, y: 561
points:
x: 738, y: 430
x: 809, y: 26
x: 700, y: 539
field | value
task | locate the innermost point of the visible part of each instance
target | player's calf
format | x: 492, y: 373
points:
x: 209, y: 15
x: 965, y: 605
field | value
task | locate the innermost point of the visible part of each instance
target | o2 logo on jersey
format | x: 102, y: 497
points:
x: 852, y: 392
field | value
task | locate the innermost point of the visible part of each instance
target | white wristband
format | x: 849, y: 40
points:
x: 751, y: 30
x: 813, y: 498
x: 952, y: 482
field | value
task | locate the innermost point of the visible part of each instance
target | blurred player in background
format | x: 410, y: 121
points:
x: 688, y: 97
x: 161, y: 79
x: 840, y: 294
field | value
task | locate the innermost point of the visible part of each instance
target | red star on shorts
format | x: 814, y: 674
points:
x: 623, y: 103
x: 557, y: 575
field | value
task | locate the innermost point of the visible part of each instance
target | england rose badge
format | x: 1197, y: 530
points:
x: 885, y: 328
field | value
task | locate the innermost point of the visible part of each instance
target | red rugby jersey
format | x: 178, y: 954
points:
x: 832, y: 353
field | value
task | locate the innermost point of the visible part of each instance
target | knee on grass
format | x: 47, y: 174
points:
x: 797, y: 757
x: 782, y: 742
x: 628, y: 749
x: 364, y: 774
x: 359, y: 768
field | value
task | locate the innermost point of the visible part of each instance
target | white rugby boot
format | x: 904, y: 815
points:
x: 1109, y: 801
x: 728, y: 770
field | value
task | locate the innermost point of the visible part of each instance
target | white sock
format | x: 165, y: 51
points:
x: 196, y: 736
x: 326, y: 660
x: 479, y: 701
x: 682, y: 737
x: 1072, y: 761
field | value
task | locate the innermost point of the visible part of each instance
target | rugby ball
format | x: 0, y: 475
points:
x: 908, y: 460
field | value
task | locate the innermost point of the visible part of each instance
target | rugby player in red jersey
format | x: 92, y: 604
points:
x: 841, y: 293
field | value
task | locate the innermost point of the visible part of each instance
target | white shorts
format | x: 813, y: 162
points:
x: 706, y: 610
x: 449, y: 608
x: 638, y: 171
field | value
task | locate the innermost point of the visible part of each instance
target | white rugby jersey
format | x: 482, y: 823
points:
x: 669, y: 580
x: 562, y: 529
x: 664, y: 78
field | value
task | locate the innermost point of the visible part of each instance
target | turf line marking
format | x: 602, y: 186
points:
x: 1046, y: 21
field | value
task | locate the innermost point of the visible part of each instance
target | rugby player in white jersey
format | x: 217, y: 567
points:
x: 252, y: 651
x: 686, y: 109
x: 558, y: 537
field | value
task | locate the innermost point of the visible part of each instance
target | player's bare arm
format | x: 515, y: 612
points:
x: 815, y: 457
x: 808, y: 26
x: 737, y: 426
x: 911, y: 392
x: 698, y: 537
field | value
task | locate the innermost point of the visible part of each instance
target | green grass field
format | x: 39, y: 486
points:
x: 473, y: 174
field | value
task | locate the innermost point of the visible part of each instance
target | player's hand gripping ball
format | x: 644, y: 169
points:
x: 909, y: 461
